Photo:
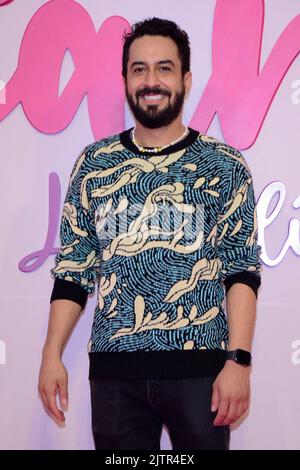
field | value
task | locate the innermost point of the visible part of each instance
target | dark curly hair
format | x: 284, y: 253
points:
x: 158, y: 27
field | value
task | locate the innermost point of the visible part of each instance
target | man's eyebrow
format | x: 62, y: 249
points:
x: 167, y: 61
x: 137, y: 63
x: 160, y: 62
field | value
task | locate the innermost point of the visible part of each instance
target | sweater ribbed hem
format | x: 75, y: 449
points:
x: 156, y: 364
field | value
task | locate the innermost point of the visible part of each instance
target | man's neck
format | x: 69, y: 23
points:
x: 158, y: 137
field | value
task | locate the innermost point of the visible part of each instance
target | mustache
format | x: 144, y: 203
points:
x: 154, y: 91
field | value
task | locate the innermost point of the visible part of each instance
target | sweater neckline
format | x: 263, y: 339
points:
x: 188, y: 140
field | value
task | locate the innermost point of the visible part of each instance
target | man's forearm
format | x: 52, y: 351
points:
x: 63, y: 316
x: 241, y: 315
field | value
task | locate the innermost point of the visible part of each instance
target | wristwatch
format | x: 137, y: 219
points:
x: 240, y: 356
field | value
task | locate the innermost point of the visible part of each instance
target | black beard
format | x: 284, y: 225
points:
x: 151, y: 118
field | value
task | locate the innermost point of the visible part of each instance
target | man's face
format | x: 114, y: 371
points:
x: 155, y: 88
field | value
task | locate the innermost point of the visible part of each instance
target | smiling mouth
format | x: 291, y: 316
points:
x: 152, y: 98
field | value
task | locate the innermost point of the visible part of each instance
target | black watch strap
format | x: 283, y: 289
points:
x: 240, y: 356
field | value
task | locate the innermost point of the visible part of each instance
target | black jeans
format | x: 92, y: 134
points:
x: 129, y: 414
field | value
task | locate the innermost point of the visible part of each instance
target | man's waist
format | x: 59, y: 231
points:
x: 156, y: 364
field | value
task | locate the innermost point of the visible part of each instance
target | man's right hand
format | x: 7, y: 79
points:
x: 53, y: 380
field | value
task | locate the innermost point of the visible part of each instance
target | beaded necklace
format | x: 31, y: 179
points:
x: 156, y: 149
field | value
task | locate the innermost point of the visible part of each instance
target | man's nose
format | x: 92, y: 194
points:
x: 152, y: 79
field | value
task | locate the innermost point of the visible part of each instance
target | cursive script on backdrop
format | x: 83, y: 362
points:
x: 238, y: 90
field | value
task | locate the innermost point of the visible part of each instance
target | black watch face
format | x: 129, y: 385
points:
x: 243, y: 357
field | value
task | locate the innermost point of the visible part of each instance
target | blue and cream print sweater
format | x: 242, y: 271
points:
x: 163, y: 236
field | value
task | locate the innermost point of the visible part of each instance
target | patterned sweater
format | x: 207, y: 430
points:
x: 163, y: 236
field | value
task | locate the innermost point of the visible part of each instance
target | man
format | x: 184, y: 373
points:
x: 162, y: 350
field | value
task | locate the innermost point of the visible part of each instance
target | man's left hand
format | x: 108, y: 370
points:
x: 231, y: 393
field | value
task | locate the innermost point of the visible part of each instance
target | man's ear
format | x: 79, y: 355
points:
x: 124, y: 85
x: 187, y: 80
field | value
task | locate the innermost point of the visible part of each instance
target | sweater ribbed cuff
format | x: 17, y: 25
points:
x: 244, y: 277
x: 70, y: 291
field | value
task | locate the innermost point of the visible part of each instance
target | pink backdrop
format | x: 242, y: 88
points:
x: 60, y: 89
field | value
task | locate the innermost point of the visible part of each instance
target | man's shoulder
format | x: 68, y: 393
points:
x: 94, y: 155
x: 105, y: 145
x: 227, y: 155
x: 219, y: 146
